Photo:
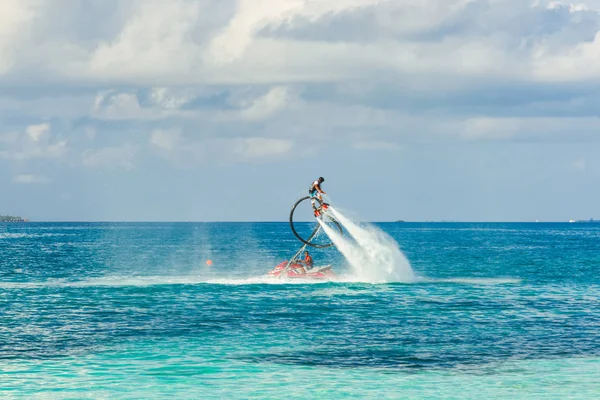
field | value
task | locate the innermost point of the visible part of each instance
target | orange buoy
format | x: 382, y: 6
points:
x: 208, y: 262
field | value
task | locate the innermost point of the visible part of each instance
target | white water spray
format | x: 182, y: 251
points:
x: 374, y: 256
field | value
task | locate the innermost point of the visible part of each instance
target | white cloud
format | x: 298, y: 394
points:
x: 285, y: 41
x: 165, y: 140
x: 30, y: 179
x: 15, y: 16
x: 35, y: 132
x: 574, y: 64
x: 326, y: 70
x: 154, y: 42
x: 236, y: 40
x: 171, y: 98
x: 116, y: 105
x: 36, y: 142
x: 250, y: 16
x: 571, y: 7
x: 267, y: 105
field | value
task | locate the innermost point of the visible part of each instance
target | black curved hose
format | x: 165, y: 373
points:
x: 313, y: 234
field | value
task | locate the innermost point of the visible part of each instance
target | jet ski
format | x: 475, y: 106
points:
x: 296, y: 270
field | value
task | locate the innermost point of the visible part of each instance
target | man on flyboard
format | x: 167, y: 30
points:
x: 316, y: 191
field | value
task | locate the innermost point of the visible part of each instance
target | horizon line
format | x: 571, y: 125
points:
x: 284, y: 221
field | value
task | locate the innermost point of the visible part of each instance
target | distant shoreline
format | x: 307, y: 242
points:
x: 10, y: 218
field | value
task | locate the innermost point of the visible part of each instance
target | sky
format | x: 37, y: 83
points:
x: 223, y: 110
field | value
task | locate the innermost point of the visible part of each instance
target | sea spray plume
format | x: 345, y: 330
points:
x: 375, y: 256
x: 349, y: 250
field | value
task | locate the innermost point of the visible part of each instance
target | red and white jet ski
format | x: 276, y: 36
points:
x: 296, y: 270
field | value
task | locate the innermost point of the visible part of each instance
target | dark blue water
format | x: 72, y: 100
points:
x: 91, y: 310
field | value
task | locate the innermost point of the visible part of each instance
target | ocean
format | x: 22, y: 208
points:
x: 132, y: 311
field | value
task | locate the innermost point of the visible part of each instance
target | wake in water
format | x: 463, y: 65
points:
x: 373, y: 255
x: 154, y: 280
x: 147, y: 281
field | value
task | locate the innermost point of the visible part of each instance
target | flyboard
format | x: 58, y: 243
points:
x: 294, y: 268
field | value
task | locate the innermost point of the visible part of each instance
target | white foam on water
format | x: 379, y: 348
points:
x: 146, y: 281
x: 348, y: 251
x: 267, y: 280
x: 8, y: 235
x: 109, y: 281
x: 373, y: 255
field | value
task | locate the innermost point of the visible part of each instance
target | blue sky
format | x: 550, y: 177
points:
x: 473, y: 110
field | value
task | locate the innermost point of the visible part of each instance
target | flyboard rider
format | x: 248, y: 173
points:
x: 316, y: 191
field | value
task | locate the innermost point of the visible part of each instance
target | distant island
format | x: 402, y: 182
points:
x: 10, y: 218
x: 589, y: 221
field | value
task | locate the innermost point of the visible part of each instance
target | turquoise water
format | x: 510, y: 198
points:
x: 118, y: 310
